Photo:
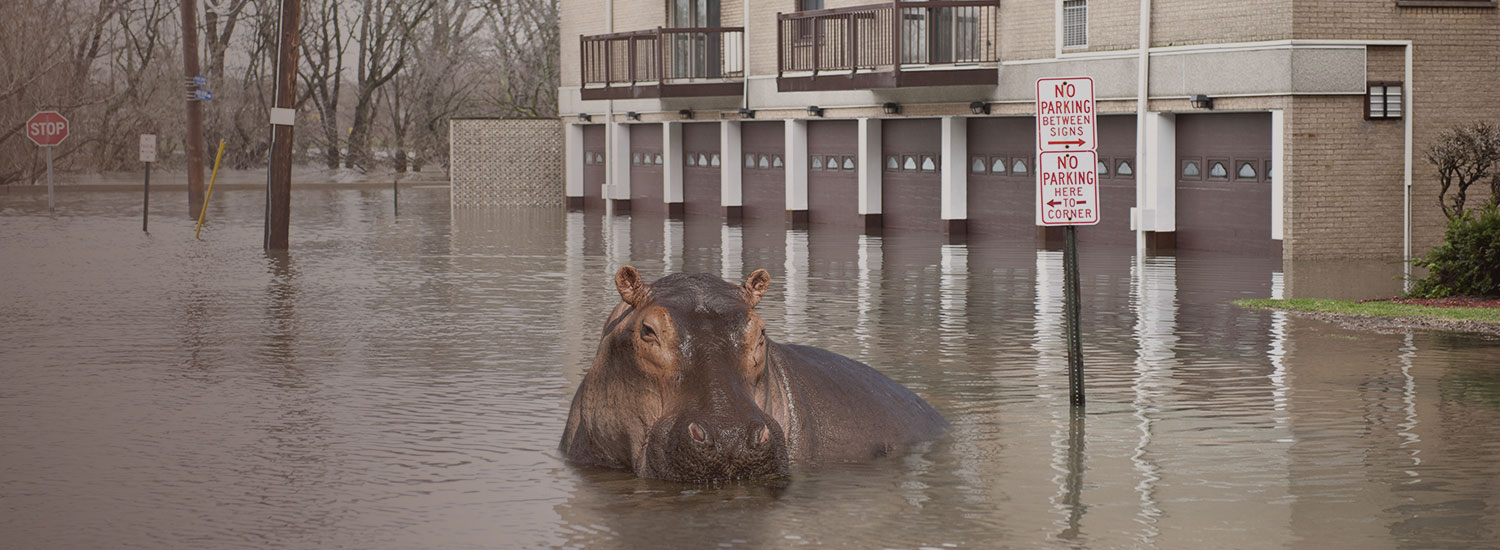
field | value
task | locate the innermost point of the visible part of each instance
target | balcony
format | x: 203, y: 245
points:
x: 664, y: 62
x: 895, y: 45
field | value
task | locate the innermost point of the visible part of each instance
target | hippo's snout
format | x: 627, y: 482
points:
x: 716, y: 449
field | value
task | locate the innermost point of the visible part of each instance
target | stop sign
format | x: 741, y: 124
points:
x: 47, y: 128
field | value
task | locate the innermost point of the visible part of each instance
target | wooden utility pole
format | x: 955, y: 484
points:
x: 283, y: 115
x: 194, y: 107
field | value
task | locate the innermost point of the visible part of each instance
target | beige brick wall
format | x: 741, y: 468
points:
x: 1183, y: 22
x: 1345, y: 175
x: 1456, y: 68
x: 1027, y: 30
x: 1113, y: 25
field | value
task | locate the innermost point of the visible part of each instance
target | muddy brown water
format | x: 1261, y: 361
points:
x: 401, y: 382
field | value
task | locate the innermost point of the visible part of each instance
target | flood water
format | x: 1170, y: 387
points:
x: 402, y: 382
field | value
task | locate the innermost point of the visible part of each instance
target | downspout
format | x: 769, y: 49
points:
x: 609, y: 119
x: 745, y: 55
x: 1143, y: 172
x: 1406, y: 103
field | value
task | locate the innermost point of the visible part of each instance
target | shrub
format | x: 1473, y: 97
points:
x: 1468, y: 261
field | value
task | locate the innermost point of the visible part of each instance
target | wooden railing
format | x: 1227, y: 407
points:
x: 663, y: 56
x: 888, y: 37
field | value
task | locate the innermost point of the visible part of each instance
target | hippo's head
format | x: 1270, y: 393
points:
x: 680, y: 387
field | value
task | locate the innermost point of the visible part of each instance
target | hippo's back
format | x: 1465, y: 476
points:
x: 847, y: 410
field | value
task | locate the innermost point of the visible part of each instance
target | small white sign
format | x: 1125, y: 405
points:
x: 283, y: 117
x: 1065, y: 114
x: 148, y: 147
x: 1067, y: 188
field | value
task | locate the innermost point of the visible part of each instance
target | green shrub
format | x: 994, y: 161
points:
x: 1468, y: 261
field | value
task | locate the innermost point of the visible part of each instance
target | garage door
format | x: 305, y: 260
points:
x: 1002, y: 188
x: 911, y: 189
x: 832, y: 177
x: 645, y: 169
x: 1223, y: 192
x: 1116, y: 167
x: 700, y: 171
x: 764, y: 179
x: 593, y: 168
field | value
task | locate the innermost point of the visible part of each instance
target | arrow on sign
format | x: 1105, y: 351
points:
x: 1053, y: 203
x: 1078, y: 142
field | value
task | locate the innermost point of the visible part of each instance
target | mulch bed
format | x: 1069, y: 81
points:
x: 1451, y: 301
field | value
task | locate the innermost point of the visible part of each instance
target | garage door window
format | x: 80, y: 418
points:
x: 714, y: 160
x: 1103, y: 168
x: 977, y: 165
x: 1123, y: 169
x: 892, y: 163
x: 1269, y: 174
x: 1218, y: 169
x: 1191, y: 170
x: 928, y: 164
x: 848, y: 163
x: 817, y: 162
x: 1246, y: 171
x: 997, y: 165
x: 1018, y: 167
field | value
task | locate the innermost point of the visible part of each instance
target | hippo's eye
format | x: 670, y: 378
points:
x: 647, y: 333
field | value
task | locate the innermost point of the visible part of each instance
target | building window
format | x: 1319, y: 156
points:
x: 817, y: 162
x: 691, y: 160
x: 997, y: 165
x: 1075, y: 23
x: 1191, y: 171
x: 1018, y: 167
x: 1123, y: 169
x: 1383, y: 100
x: 848, y: 163
x: 1218, y: 169
x: 892, y: 163
x: 910, y: 163
x: 749, y: 160
x: 658, y: 159
x: 635, y: 159
x: 776, y: 161
x: 928, y: 164
x: 702, y: 159
x: 833, y: 163
x: 1103, y: 168
x: 765, y: 161
x: 977, y: 166
x: 714, y: 160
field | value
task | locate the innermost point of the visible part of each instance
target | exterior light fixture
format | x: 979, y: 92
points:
x: 632, y: 115
x: 585, y: 117
x: 747, y: 113
x: 1201, y: 101
x: 892, y: 108
x: 814, y: 110
x: 979, y: 108
x: 686, y: 113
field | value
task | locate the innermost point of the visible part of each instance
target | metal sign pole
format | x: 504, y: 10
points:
x: 1071, y: 315
x: 146, y: 201
x: 50, y: 204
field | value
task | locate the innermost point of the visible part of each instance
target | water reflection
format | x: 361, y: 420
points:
x: 402, y: 383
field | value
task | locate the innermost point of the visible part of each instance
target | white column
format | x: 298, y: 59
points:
x: 795, y: 286
x: 796, y: 165
x: 573, y: 160
x: 731, y: 252
x: 871, y: 159
x: 671, y: 173
x: 954, y: 168
x: 619, y: 161
x: 731, y: 182
x: 1158, y: 177
x: 1278, y: 189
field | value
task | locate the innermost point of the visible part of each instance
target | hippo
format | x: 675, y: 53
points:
x: 687, y: 387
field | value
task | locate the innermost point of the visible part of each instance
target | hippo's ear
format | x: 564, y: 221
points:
x: 755, y: 286
x: 632, y: 290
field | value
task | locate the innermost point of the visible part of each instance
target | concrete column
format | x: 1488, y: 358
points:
x: 796, y: 171
x: 1158, y: 179
x: 671, y: 173
x: 731, y: 171
x: 1278, y: 188
x: 573, y: 165
x: 619, y: 166
x: 954, y: 171
x: 870, y: 157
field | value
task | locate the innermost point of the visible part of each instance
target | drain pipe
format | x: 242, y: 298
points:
x: 609, y: 121
x: 1406, y: 103
x: 1143, y: 171
x: 745, y: 56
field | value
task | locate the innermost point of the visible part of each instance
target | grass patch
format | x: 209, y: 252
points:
x: 1376, y: 309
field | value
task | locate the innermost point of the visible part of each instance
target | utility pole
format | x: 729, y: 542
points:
x: 194, y: 107
x: 283, y: 115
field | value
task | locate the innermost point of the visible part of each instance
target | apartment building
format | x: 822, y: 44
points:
x: 1292, y: 128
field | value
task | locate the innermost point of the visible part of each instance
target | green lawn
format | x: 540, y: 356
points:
x: 1377, y: 309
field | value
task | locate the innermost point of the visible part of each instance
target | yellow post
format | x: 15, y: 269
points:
x: 211, y: 179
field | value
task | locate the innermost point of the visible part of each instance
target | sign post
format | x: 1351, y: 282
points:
x: 1067, y: 190
x: 47, y: 129
x: 148, y: 156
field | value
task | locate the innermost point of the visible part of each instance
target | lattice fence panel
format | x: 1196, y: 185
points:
x: 506, y: 162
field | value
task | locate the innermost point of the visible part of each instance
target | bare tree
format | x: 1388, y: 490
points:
x: 444, y: 74
x: 326, y: 38
x: 526, y: 37
x: 1464, y: 156
x: 386, y: 30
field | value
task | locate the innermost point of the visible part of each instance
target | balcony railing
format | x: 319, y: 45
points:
x: 663, y: 62
x: 889, y: 45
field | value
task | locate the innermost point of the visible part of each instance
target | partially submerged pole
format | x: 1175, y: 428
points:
x: 210, y: 194
x: 194, y: 108
x: 279, y: 182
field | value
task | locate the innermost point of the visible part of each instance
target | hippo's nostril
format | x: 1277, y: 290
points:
x: 697, y: 432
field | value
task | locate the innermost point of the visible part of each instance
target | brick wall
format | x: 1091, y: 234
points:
x: 1114, y: 25
x: 1456, y: 68
x: 1182, y: 22
x: 1345, y: 174
x: 1027, y: 30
